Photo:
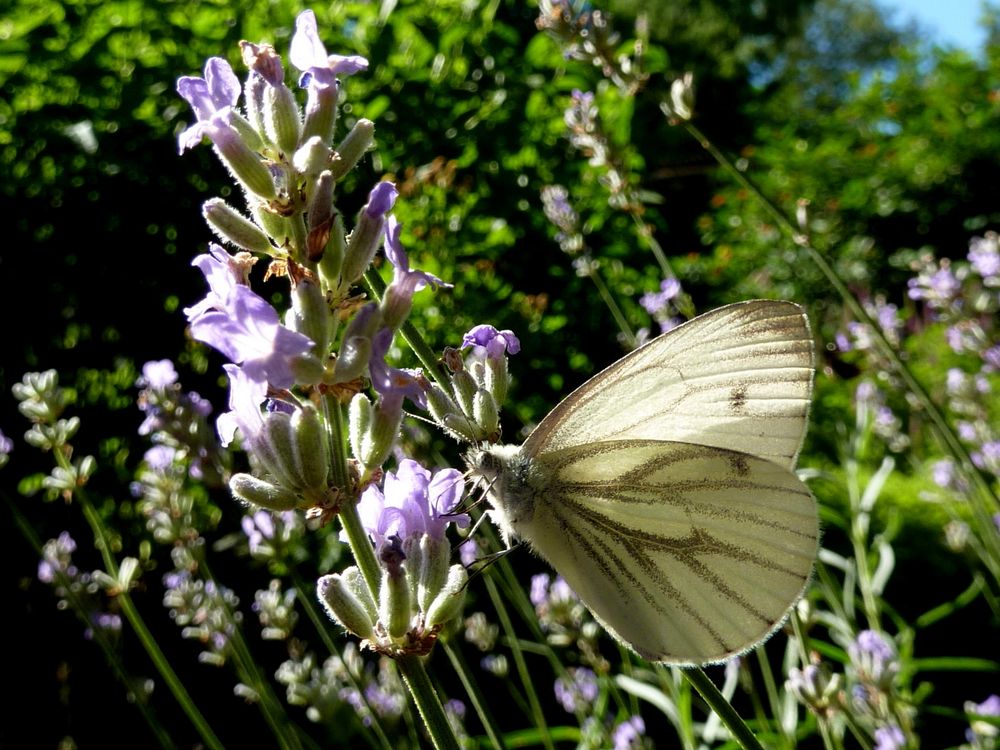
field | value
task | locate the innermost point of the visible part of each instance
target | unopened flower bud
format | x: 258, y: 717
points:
x: 332, y: 262
x: 244, y: 164
x: 485, y: 412
x: 233, y: 227
x: 274, y: 224
x: 281, y: 118
x: 433, y: 569
x: 356, y: 347
x: 307, y: 368
x: 382, y: 434
x: 319, y: 217
x: 321, y: 112
x: 255, y: 491
x: 368, y: 231
x: 311, y: 449
x: 450, y: 600
x: 277, y: 449
x: 311, y: 315
x: 439, y: 403
x: 497, y: 379
x: 344, y: 607
x: 359, y: 421
x: 353, y: 147
x: 465, y: 390
x: 312, y: 157
x: 394, y: 595
x: 358, y: 586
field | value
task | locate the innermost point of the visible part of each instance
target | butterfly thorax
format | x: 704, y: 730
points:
x: 512, y: 483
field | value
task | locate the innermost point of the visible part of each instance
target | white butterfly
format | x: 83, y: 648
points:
x: 663, y: 489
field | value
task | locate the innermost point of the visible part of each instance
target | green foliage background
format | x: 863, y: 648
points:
x: 893, y: 143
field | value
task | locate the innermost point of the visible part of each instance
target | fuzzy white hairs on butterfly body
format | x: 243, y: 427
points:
x: 663, y: 489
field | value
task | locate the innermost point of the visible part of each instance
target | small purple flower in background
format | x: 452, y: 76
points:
x: 983, y: 735
x: 873, y: 658
x: 988, y: 457
x: 984, y: 255
x: 943, y: 472
x: 212, y: 98
x: 628, y: 735
x: 159, y: 457
x: 661, y: 304
x: 555, y: 204
x: 577, y: 690
x: 495, y: 343
x: 158, y: 374
x: 413, y: 502
x: 309, y: 55
x: 6, y: 446
x: 56, y: 559
x: 889, y: 738
x: 259, y: 530
x: 937, y: 286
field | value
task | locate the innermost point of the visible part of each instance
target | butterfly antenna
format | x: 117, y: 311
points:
x: 479, y: 566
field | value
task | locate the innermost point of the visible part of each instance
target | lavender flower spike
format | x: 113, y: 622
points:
x: 308, y: 54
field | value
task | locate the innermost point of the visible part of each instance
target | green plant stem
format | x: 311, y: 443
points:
x: 461, y: 668
x: 609, y: 301
x: 944, y: 432
x: 522, y: 668
x: 773, y: 698
x: 138, y: 625
x: 361, y: 547
x: 717, y: 701
x: 427, y: 701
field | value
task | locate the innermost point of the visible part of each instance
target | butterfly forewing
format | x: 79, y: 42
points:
x: 739, y: 377
x: 689, y: 554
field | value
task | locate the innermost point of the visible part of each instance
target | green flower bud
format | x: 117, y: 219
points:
x: 311, y: 449
x: 263, y: 494
x: 276, y: 450
x: 465, y: 390
x: 233, y: 227
x: 308, y: 369
x: 332, y: 261
x: 450, y: 600
x: 394, y: 601
x: 485, y: 412
x: 312, y: 157
x: 381, y: 437
x: 250, y: 136
x: 312, y: 316
x: 321, y: 113
x: 433, y: 569
x: 353, y: 147
x: 281, y: 118
x: 319, y: 218
x: 359, y: 421
x: 358, y: 586
x: 497, y: 379
x: 246, y: 166
x: 343, y: 606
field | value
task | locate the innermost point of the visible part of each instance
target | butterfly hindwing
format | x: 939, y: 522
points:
x: 688, y: 553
